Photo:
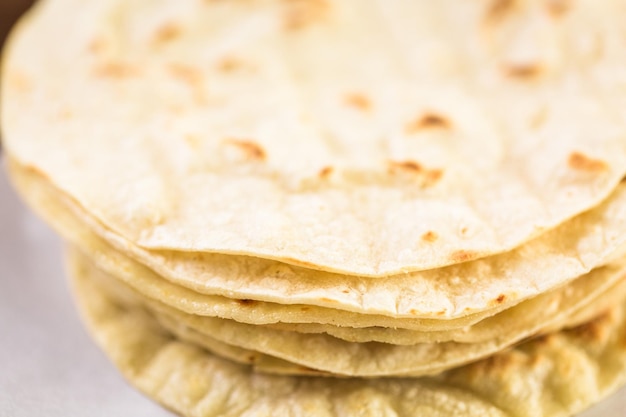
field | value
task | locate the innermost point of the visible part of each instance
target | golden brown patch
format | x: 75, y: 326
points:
x: 250, y: 149
x: 97, y: 45
x: 558, y: 8
x: 432, y: 176
x: 410, y: 166
x: 325, y: 172
x: 581, y: 162
x: 246, y: 302
x: 413, y: 311
x: 428, y: 176
x: 229, y: 64
x: 345, y: 291
x: 20, y: 81
x: 523, y: 71
x: 166, y: 33
x: 327, y: 300
x: 498, y: 9
x: 499, y: 300
x: 463, y: 256
x: 186, y: 73
x: 358, y: 101
x: 118, y: 70
x: 300, y: 14
x: 304, y: 308
x: 430, y: 236
x: 252, y: 359
x: 427, y: 121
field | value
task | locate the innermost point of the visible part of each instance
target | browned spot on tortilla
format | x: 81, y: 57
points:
x: 97, y: 45
x: 166, y: 33
x: 463, y: 256
x: 499, y: 300
x: 186, y: 73
x: 327, y: 300
x: 304, y: 308
x: 413, y: 311
x: 20, y: 81
x: 428, y: 176
x: 430, y: 236
x: 498, y: 9
x: 557, y: 8
x: 346, y: 291
x: 441, y: 313
x: 252, y: 358
x: 250, y: 149
x: 582, y: 162
x: 523, y: 71
x: 325, y: 172
x: 229, y: 64
x: 246, y: 302
x: 118, y: 70
x: 410, y: 166
x: 300, y: 14
x: 427, y: 121
x: 432, y: 176
x: 358, y: 101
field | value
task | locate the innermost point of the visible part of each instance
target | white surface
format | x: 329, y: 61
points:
x: 48, y: 365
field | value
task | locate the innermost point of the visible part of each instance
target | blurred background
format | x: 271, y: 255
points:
x: 10, y: 10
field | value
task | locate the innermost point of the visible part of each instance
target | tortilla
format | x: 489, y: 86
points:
x: 470, y: 291
x: 328, y: 354
x: 557, y: 375
x: 233, y: 127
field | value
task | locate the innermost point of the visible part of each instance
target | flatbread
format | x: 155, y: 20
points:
x: 461, y: 294
x: 557, y: 375
x: 329, y: 354
x: 296, y: 132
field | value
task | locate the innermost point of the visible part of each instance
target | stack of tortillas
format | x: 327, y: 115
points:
x: 315, y: 207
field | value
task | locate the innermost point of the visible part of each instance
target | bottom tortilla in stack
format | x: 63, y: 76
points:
x: 553, y: 375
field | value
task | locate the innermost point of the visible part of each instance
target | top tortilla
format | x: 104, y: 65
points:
x: 361, y: 137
